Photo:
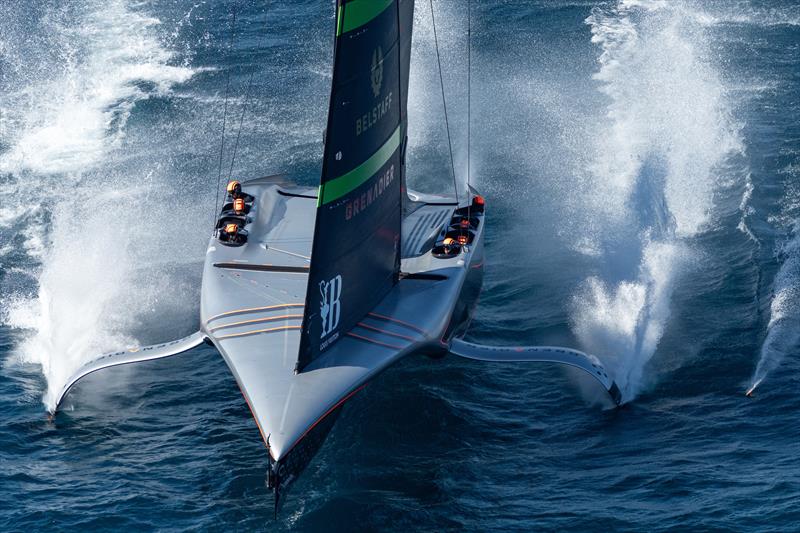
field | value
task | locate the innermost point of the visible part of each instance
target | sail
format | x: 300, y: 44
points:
x: 356, y: 251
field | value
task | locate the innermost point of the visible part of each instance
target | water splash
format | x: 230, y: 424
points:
x: 105, y: 62
x: 783, y: 330
x: 109, y: 250
x: 87, y: 238
x: 655, y: 173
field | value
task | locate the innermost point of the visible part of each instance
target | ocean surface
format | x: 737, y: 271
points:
x: 641, y: 164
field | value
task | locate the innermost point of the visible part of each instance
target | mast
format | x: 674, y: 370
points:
x: 355, y: 258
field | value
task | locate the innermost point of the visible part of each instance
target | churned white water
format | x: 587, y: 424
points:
x: 628, y: 188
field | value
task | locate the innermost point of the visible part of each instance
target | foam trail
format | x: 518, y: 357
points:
x: 651, y: 183
x: 783, y: 330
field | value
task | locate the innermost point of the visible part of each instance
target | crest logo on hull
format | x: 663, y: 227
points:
x: 330, y: 309
x: 377, y: 71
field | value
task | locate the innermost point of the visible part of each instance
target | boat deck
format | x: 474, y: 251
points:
x: 252, y: 310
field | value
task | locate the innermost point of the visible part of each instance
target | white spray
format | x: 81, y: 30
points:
x: 79, y: 109
x: 653, y: 175
x: 783, y: 330
x: 91, y: 234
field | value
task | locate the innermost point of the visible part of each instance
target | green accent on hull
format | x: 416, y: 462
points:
x: 336, y: 188
x: 359, y: 12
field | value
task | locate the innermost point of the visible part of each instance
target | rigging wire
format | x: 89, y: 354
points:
x: 247, y: 97
x: 444, y: 101
x: 225, y: 109
x: 469, y: 91
x: 469, y: 108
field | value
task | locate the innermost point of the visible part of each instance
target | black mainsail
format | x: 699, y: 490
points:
x: 356, y: 250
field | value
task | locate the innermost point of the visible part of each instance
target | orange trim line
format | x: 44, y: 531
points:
x: 257, y: 331
x: 379, y: 330
x: 255, y: 321
x: 390, y: 319
x: 251, y: 309
x: 379, y: 343
x: 264, y: 438
x: 329, y: 411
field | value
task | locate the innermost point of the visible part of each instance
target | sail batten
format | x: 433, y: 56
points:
x: 355, y: 258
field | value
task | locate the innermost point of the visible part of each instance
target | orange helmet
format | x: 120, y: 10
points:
x: 234, y: 188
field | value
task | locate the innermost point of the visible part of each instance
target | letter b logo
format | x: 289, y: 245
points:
x: 330, y: 306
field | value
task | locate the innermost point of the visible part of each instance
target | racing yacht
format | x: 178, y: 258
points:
x: 309, y: 293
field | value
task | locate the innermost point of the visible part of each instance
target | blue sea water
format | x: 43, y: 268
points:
x: 641, y: 164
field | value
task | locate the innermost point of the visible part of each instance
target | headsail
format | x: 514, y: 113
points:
x: 356, y: 251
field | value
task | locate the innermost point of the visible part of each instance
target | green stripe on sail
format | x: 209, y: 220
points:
x: 336, y: 188
x: 359, y: 12
x: 339, y: 20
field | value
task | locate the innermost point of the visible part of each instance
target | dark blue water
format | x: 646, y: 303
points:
x: 641, y: 163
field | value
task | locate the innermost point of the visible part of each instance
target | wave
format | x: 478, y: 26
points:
x: 783, y: 329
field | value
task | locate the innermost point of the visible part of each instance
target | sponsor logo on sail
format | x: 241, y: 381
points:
x: 382, y: 107
x: 369, y: 119
x: 330, y: 308
x: 374, y: 115
x: 377, y: 71
x: 360, y: 203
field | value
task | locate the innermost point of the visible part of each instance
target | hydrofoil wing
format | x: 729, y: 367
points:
x: 544, y: 354
x: 131, y: 355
